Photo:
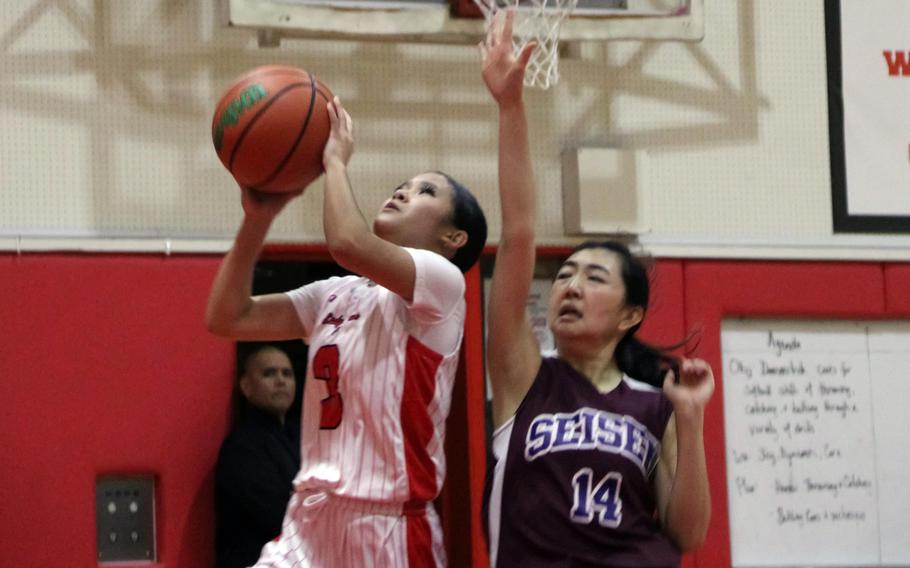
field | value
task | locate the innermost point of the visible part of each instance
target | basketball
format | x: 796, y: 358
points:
x: 270, y: 128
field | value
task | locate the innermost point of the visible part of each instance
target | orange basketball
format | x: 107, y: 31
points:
x: 271, y: 126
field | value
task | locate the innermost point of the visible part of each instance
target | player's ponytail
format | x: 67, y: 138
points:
x: 644, y: 362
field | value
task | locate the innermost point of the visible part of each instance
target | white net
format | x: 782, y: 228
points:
x: 537, y: 20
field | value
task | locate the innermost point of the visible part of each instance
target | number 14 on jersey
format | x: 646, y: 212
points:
x: 601, y: 499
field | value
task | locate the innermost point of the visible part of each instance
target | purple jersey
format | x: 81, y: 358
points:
x: 572, y: 485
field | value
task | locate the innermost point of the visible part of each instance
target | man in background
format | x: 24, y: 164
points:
x: 258, y: 459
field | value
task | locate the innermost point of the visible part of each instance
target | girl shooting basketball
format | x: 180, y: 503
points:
x: 383, y: 350
x: 600, y: 454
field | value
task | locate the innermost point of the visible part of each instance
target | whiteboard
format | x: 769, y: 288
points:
x: 818, y: 461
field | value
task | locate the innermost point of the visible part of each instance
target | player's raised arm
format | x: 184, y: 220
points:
x: 513, y: 355
x: 348, y: 236
x: 683, y: 494
x: 232, y: 311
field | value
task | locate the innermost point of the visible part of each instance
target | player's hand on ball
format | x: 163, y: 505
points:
x: 340, y: 145
x: 261, y: 204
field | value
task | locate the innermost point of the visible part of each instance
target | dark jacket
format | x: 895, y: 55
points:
x: 253, y: 483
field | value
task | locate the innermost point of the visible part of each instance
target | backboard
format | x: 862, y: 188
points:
x: 457, y: 21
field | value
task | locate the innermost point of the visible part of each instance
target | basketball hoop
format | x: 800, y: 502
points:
x: 535, y: 20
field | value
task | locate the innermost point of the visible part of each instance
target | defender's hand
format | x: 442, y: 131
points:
x: 694, y: 389
x: 502, y: 72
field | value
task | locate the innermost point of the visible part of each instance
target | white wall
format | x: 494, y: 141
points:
x: 106, y: 111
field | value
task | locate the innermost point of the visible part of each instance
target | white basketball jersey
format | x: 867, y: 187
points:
x: 379, y: 383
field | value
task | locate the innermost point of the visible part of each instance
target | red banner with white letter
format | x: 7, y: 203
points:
x: 869, y: 105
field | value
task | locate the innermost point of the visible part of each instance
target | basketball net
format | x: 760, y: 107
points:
x: 535, y: 20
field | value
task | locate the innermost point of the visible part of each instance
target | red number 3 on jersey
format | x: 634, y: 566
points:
x: 325, y: 368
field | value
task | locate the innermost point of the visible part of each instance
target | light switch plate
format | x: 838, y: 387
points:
x: 125, y: 518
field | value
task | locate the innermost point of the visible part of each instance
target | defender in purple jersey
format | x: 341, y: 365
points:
x: 599, y: 449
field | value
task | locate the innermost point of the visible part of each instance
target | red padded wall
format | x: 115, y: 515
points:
x: 897, y: 289
x: 107, y: 368
x: 665, y: 322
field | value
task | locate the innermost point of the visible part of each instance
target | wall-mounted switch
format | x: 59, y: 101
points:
x: 125, y: 518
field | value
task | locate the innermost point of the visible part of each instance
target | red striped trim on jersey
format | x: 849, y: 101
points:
x: 420, y: 542
x: 421, y: 365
